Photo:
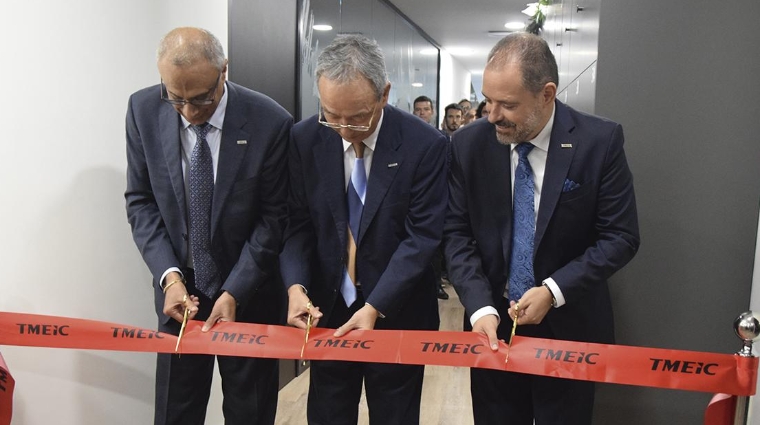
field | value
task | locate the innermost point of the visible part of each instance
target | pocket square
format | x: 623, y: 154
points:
x: 569, y: 185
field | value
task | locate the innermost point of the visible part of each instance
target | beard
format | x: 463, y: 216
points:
x: 521, y: 133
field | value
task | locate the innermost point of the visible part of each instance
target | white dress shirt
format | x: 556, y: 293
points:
x: 188, y: 138
x: 537, y: 159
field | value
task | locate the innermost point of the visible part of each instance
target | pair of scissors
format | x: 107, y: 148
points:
x: 514, y: 328
x: 309, y: 319
x: 184, y: 323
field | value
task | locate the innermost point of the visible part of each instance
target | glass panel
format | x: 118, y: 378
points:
x: 410, y: 72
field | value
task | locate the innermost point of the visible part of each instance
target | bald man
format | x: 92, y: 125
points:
x: 206, y: 190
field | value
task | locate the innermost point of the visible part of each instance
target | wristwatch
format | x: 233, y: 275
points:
x: 554, y: 300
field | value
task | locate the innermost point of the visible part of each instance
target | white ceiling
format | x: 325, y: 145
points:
x: 464, y: 24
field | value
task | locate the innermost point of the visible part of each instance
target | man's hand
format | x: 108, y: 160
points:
x: 173, y: 305
x: 223, y: 311
x: 365, y: 318
x: 298, y: 308
x: 534, y: 305
x: 487, y: 325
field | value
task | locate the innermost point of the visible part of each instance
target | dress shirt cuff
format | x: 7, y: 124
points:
x: 556, y: 292
x: 379, y: 314
x: 484, y: 311
x: 303, y: 288
x: 162, y: 282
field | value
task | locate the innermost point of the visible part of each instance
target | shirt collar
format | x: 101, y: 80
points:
x: 541, y: 141
x: 371, y: 140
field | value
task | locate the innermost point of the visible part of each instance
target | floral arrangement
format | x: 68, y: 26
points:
x: 537, y: 12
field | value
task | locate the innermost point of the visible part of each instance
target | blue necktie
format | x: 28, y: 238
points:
x: 201, y: 195
x: 523, y: 226
x: 357, y: 189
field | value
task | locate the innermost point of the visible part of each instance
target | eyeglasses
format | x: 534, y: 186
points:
x: 207, y: 100
x: 336, y: 126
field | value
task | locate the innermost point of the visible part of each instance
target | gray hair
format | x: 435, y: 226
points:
x: 186, y: 46
x: 532, y: 54
x: 352, y: 56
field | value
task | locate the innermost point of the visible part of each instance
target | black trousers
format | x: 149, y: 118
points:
x: 517, y: 399
x: 183, y: 382
x: 393, y: 391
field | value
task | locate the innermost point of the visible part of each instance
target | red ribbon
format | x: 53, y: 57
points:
x: 721, y: 410
x: 6, y: 393
x: 618, y: 364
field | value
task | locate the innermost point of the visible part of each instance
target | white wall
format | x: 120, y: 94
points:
x: 68, y: 69
x: 454, y: 83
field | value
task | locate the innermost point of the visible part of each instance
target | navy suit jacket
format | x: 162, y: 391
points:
x: 583, y: 235
x: 400, y: 228
x: 250, y: 191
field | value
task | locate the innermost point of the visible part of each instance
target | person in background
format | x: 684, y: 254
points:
x: 482, y: 110
x: 465, y: 104
x: 469, y: 116
x: 423, y: 108
x: 206, y: 190
x: 541, y: 213
x: 366, y: 208
x: 452, y: 119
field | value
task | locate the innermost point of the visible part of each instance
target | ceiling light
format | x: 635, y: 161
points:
x: 460, y: 51
x: 514, y: 25
x: 431, y: 51
x: 322, y: 27
x: 416, y: 84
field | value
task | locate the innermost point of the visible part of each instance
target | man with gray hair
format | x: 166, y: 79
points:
x: 366, y: 208
x: 206, y: 193
x: 541, y: 213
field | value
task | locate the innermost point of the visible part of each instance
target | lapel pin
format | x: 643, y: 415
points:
x: 242, y: 142
x: 393, y: 164
x: 566, y: 145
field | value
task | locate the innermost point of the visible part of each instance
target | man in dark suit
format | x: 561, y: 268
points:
x: 579, y: 228
x: 206, y: 191
x: 366, y: 269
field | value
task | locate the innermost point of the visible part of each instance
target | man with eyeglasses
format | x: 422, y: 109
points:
x: 366, y: 209
x: 206, y: 193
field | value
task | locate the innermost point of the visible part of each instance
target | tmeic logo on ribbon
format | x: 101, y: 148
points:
x: 43, y: 329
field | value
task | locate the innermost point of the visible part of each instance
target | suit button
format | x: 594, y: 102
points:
x: 184, y: 236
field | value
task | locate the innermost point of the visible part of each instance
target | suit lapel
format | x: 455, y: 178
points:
x: 386, y: 161
x: 497, y: 157
x: 558, y: 163
x: 231, y: 155
x: 169, y: 127
x: 328, y: 157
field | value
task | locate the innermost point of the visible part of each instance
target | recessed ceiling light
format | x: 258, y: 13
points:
x: 416, y: 84
x: 430, y: 51
x: 322, y: 27
x: 514, y: 25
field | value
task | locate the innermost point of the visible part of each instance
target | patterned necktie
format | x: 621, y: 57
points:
x: 201, y: 195
x: 523, y: 226
x: 357, y: 189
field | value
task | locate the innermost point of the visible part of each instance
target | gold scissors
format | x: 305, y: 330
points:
x: 514, y: 328
x: 308, y: 328
x: 184, y: 323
